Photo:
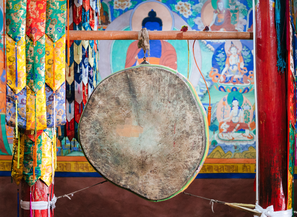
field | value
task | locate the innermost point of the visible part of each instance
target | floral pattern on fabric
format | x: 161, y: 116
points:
x: 55, y: 62
x: 36, y: 16
x: 55, y: 19
x: 11, y: 107
x: 18, y: 153
x: 16, y: 18
x: 47, y: 155
x: 35, y: 63
x: 59, y: 99
x: 28, y: 160
x: 39, y: 107
x: 16, y: 79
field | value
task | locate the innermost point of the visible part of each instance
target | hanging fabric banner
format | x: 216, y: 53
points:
x: 16, y: 82
x: 16, y: 19
x: 28, y: 160
x: 85, y: 65
x: 36, y: 99
x: 35, y: 63
x: 11, y: 100
x: 59, y: 106
x: 77, y: 15
x: 55, y: 19
x: 55, y: 62
x: 36, y: 16
x: 47, y: 158
x: 18, y: 158
x: 36, y: 109
x: 70, y: 73
x: 16, y: 71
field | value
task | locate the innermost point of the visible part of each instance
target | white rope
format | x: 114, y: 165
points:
x: 269, y: 212
x: 39, y: 205
x: 212, y: 201
x: 72, y: 193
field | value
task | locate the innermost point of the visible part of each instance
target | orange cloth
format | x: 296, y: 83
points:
x: 168, y: 55
x: 151, y: 60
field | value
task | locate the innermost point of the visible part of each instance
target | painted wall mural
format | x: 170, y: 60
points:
x: 226, y: 65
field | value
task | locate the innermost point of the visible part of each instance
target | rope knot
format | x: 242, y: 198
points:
x: 211, y: 202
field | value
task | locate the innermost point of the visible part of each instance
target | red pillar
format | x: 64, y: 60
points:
x: 39, y: 192
x: 272, y: 116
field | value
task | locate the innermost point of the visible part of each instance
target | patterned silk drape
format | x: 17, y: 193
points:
x: 35, y: 85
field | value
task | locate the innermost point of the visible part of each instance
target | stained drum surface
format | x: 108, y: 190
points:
x: 144, y: 130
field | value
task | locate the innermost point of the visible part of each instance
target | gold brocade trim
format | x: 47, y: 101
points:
x: 84, y: 166
x: 68, y: 166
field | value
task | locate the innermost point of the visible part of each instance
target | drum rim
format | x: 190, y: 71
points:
x: 205, y: 120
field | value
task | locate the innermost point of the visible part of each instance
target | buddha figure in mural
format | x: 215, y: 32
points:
x: 161, y: 52
x: 221, y: 20
x: 235, y: 122
x: 234, y: 68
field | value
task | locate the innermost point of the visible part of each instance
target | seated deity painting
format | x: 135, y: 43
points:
x: 161, y: 52
x: 222, y: 15
x: 235, y: 117
x: 232, y: 67
x: 221, y: 18
x: 154, y: 16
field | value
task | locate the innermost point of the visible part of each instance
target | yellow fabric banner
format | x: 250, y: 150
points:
x: 55, y: 62
x: 16, y: 79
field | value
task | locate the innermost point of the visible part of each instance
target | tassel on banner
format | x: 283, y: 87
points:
x: 35, y: 143
x: 16, y: 131
x: 35, y: 136
x: 99, y: 11
x: 68, y: 40
x: 48, y: 207
x: 18, y: 202
x: 30, y: 203
x: 16, y: 64
x: 19, y: 146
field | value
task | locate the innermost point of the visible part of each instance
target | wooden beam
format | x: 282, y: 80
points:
x: 159, y: 35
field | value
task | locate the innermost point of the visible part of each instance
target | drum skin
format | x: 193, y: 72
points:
x: 145, y: 130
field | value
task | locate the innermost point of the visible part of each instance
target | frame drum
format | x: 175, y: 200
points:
x: 145, y: 130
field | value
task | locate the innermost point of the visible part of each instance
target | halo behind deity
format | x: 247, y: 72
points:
x: 215, y: 5
x: 142, y: 10
x: 235, y: 95
x: 207, y: 12
x: 236, y: 43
